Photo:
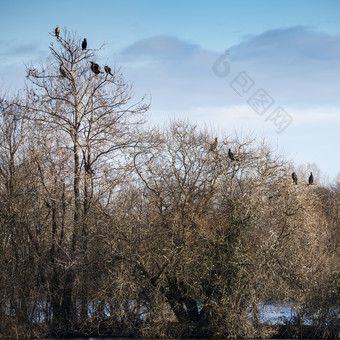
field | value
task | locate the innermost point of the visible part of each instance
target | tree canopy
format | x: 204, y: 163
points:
x: 111, y: 227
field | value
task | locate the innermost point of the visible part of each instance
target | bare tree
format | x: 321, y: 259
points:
x: 20, y: 248
x: 108, y: 228
x: 196, y: 209
x: 97, y: 117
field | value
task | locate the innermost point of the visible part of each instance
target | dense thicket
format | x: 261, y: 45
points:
x: 111, y: 228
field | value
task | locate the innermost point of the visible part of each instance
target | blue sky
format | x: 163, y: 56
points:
x: 286, y: 51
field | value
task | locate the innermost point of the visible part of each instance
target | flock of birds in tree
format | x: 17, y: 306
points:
x: 310, y: 179
x: 231, y: 155
x: 213, y: 147
x: 95, y: 68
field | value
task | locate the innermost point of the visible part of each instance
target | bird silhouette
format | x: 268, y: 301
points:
x: 213, y: 145
x: 231, y: 155
x: 57, y: 31
x: 108, y: 70
x: 295, y: 179
x: 88, y: 169
x: 62, y: 70
x: 84, y: 44
x: 95, y: 68
x: 311, y: 179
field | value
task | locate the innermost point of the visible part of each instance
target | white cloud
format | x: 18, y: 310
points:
x: 296, y: 66
x: 312, y: 137
x: 159, y: 48
x: 293, y: 44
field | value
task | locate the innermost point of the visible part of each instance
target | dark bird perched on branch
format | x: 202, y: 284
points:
x: 295, y: 179
x: 57, y: 31
x: 311, y: 179
x: 62, y: 70
x: 95, y: 68
x: 231, y: 155
x: 213, y: 145
x: 88, y: 169
x: 84, y: 44
x: 108, y: 70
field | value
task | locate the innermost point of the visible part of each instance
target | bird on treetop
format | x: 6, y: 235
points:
x: 213, y: 145
x: 295, y: 179
x: 84, y: 44
x: 311, y: 179
x: 95, y: 68
x: 57, y: 31
x: 108, y: 70
x: 231, y: 155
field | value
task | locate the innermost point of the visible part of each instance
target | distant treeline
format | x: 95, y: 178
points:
x: 112, y: 228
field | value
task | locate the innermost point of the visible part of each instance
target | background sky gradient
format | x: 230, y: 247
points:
x: 288, y: 49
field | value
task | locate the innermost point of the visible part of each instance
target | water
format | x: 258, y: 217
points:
x: 275, y: 313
